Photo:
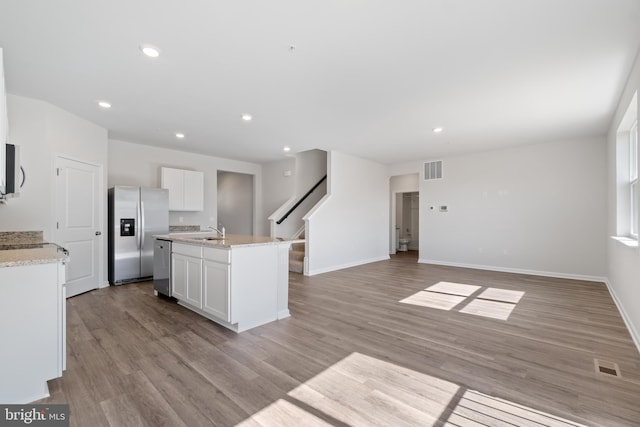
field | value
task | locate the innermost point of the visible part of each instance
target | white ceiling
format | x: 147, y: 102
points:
x: 367, y: 77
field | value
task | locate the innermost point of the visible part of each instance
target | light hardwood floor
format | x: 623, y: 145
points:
x: 352, y: 354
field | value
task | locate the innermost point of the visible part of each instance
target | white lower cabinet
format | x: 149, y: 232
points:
x: 187, y: 279
x: 202, y: 279
x: 179, y: 276
x: 186, y: 274
x: 33, y: 336
x: 194, y: 281
x: 217, y: 290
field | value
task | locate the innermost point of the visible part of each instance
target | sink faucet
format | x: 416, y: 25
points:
x: 221, y: 232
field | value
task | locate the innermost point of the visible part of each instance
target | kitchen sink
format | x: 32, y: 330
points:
x: 203, y: 235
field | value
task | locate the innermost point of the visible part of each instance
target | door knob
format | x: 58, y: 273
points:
x: 98, y: 233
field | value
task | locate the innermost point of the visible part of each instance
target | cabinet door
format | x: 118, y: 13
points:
x: 194, y: 281
x: 179, y: 276
x: 193, y: 191
x: 62, y: 319
x: 173, y: 180
x: 4, y: 122
x: 216, y: 290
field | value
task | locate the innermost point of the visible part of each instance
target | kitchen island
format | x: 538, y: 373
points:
x: 32, y: 314
x: 239, y: 282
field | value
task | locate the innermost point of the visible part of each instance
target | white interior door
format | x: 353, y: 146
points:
x: 78, y: 222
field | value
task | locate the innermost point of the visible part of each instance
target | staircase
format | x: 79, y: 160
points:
x: 296, y: 258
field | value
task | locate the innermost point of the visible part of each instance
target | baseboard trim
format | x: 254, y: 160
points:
x: 516, y: 270
x: 283, y: 314
x: 625, y: 317
x: 347, y: 265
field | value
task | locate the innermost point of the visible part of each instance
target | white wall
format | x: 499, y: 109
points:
x: 311, y: 165
x: 43, y: 131
x: 404, y: 183
x: 623, y: 269
x: 350, y: 225
x: 276, y: 187
x: 139, y: 165
x: 536, y: 208
x: 235, y: 202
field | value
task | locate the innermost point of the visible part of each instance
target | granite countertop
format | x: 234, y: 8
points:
x: 230, y: 240
x: 13, y: 255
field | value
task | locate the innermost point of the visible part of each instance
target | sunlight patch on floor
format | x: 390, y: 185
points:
x: 486, y: 308
x: 504, y: 295
x: 475, y: 408
x: 434, y: 300
x: 453, y: 288
x: 360, y: 390
x: 493, y: 303
x: 283, y: 413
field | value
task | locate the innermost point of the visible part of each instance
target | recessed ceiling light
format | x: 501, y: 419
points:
x: 247, y: 117
x: 179, y: 135
x: 150, y: 51
x: 104, y: 104
x: 286, y: 149
x: 438, y: 130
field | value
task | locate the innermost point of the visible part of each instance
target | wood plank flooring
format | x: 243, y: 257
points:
x: 352, y: 354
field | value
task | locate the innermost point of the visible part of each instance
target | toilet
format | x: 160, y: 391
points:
x: 403, y: 244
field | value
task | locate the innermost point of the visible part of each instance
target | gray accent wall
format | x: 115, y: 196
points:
x: 235, y: 202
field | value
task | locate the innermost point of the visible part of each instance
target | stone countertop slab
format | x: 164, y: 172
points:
x: 45, y: 253
x: 230, y: 240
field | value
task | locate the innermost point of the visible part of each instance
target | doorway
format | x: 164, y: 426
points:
x: 404, y: 213
x: 408, y: 221
x: 78, y: 226
x: 235, y: 202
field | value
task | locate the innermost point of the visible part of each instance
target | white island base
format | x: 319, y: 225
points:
x: 240, y: 286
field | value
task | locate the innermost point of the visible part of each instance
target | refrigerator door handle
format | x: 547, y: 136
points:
x: 142, y: 230
x: 138, y: 225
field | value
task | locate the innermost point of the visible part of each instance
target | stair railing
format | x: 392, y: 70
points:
x: 302, y: 199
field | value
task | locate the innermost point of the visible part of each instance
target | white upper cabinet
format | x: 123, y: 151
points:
x: 173, y: 180
x: 4, y: 122
x: 193, y: 191
x: 186, y: 189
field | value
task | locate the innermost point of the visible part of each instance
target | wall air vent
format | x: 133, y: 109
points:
x: 433, y: 170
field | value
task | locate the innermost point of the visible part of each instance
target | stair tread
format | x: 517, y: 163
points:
x: 296, y: 257
x: 296, y: 266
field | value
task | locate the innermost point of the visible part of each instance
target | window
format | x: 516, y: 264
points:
x: 627, y: 221
x: 633, y: 179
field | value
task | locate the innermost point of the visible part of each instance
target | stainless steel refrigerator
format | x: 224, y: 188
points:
x: 135, y: 215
